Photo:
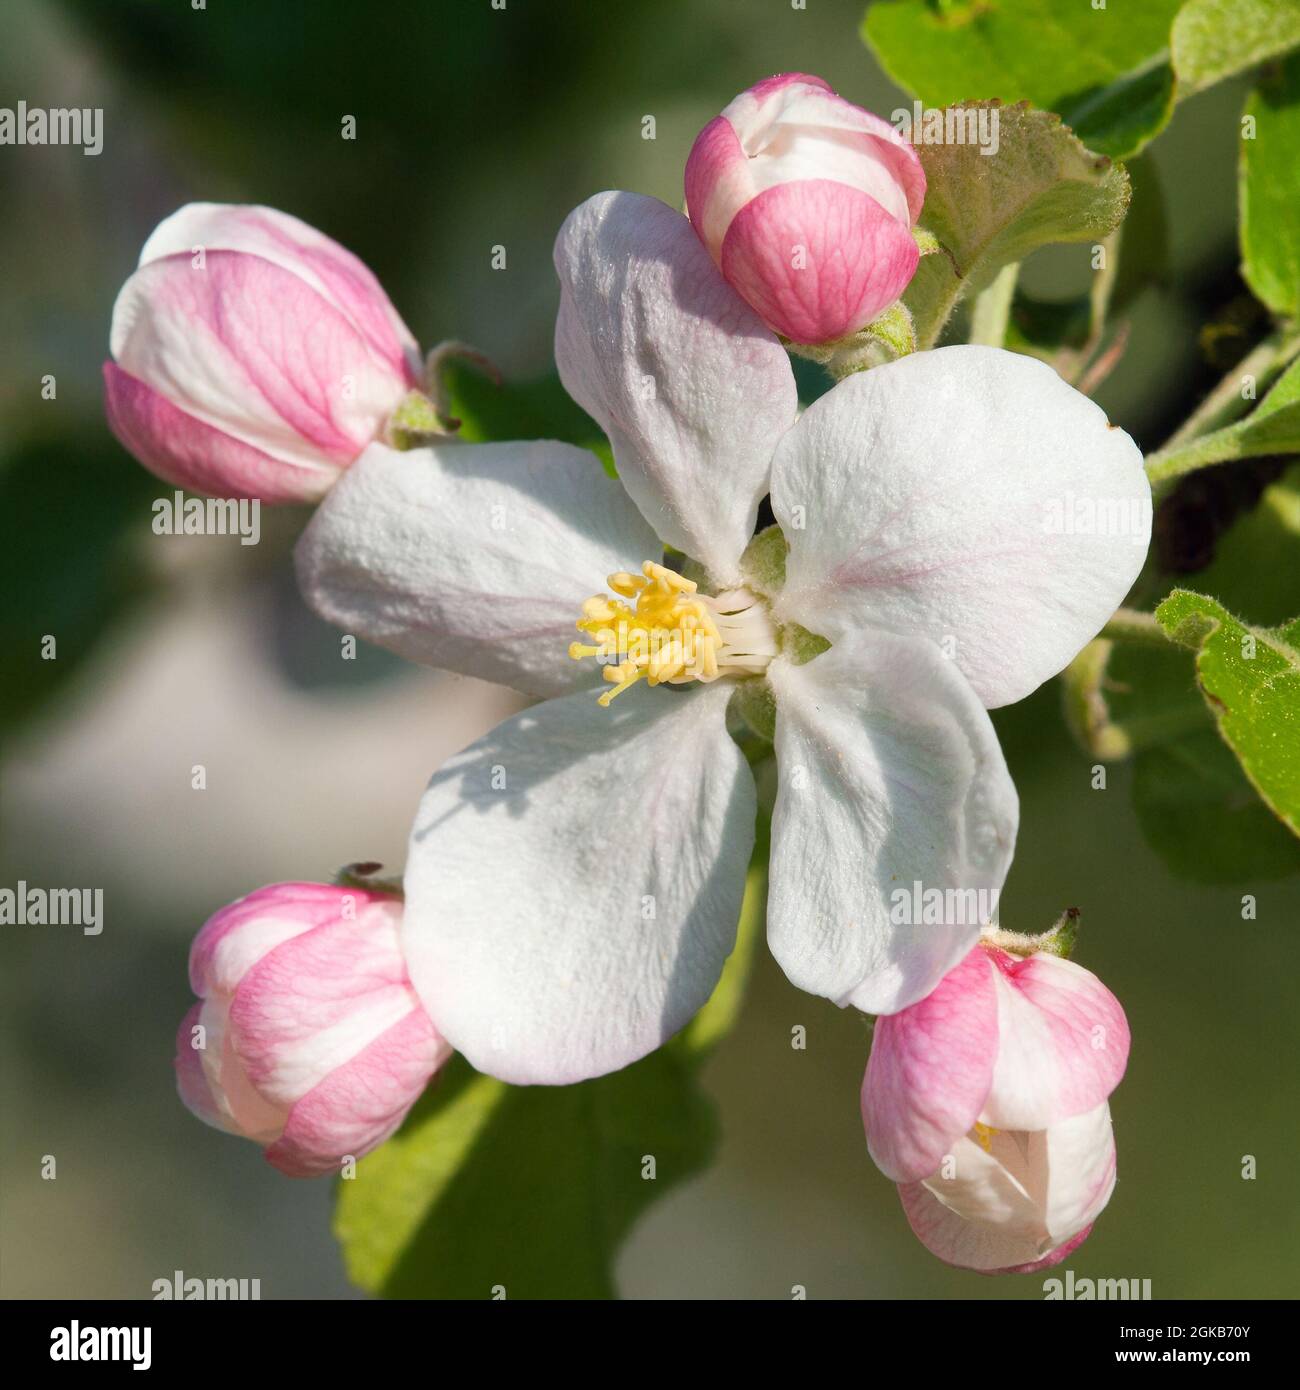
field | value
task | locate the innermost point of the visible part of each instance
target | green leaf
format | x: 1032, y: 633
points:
x: 539, y: 409
x: 1122, y: 119
x: 1270, y: 189
x: 1072, y: 334
x: 1214, y: 39
x: 1043, y: 186
x: 1199, y: 813
x: 1104, y: 71
x: 532, y: 1188
x: 1250, y: 678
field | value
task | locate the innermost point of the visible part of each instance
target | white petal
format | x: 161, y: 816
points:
x: 890, y: 776
x: 473, y: 557
x: 574, y: 881
x: 1019, y: 1199
x: 1080, y: 1172
x: 999, y: 1186
x: 682, y: 375
x: 962, y: 494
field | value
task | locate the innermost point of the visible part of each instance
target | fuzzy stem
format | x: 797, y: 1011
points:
x: 1130, y: 625
x: 991, y: 311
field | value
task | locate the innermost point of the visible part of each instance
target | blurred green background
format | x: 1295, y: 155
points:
x: 479, y: 127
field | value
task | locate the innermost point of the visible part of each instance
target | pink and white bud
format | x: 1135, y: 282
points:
x: 806, y: 203
x: 308, y: 1038
x: 252, y: 355
x: 987, y: 1103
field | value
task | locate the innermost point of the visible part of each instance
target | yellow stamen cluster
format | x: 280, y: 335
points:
x: 984, y: 1136
x: 664, y: 634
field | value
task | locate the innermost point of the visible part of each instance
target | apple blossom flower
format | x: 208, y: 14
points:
x: 806, y: 203
x: 308, y: 1038
x: 987, y: 1103
x: 252, y: 355
x: 574, y: 878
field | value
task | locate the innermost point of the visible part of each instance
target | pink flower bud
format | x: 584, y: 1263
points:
x: 987, y: 1103
x: 308, y: 1038
x: 253, y: 356
x: 806, y: 203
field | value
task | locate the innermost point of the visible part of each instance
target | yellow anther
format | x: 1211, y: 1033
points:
x: 984, y: 1136
x: 664, y: 634
x: 598, y: 609
x: 668, y: 579
x: 661, y: 630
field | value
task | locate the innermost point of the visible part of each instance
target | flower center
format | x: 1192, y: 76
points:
x: 662, y: 630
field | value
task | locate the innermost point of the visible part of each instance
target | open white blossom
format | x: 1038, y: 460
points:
x: 575, y: 877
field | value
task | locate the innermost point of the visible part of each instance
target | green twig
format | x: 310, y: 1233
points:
x: 991, y: 311
x: 1130, y: 625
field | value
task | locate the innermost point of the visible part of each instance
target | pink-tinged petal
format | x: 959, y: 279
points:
x: 794, y: 127
x: 930, y: 1070
x: 996, y: 1180
x: 1081, y: 1172
x: 240, y: 1108
x: 346, y: 281
x: 1063, y: 1042
x: 318, y: 1000
x: 802, y: 130
x: 778, y: 82
x: 718, y: 182
x: 1060, y: 1253
x: 938, y: 496
x: 253, y: 350
x: 958, y: 1241
x: 1012, y: 1199
x: 361, y: 1103
x: 234, y: 939
x: 191, y: 1078
x: 817, y: 259
x: 691, y: 388
x: 183, y: 450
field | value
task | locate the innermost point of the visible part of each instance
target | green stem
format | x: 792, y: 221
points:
x: 1130, y: 625
x: 991, y: 311
x: 1211, y: 433
x: 1265, y: 360
x: 1175, y: 461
